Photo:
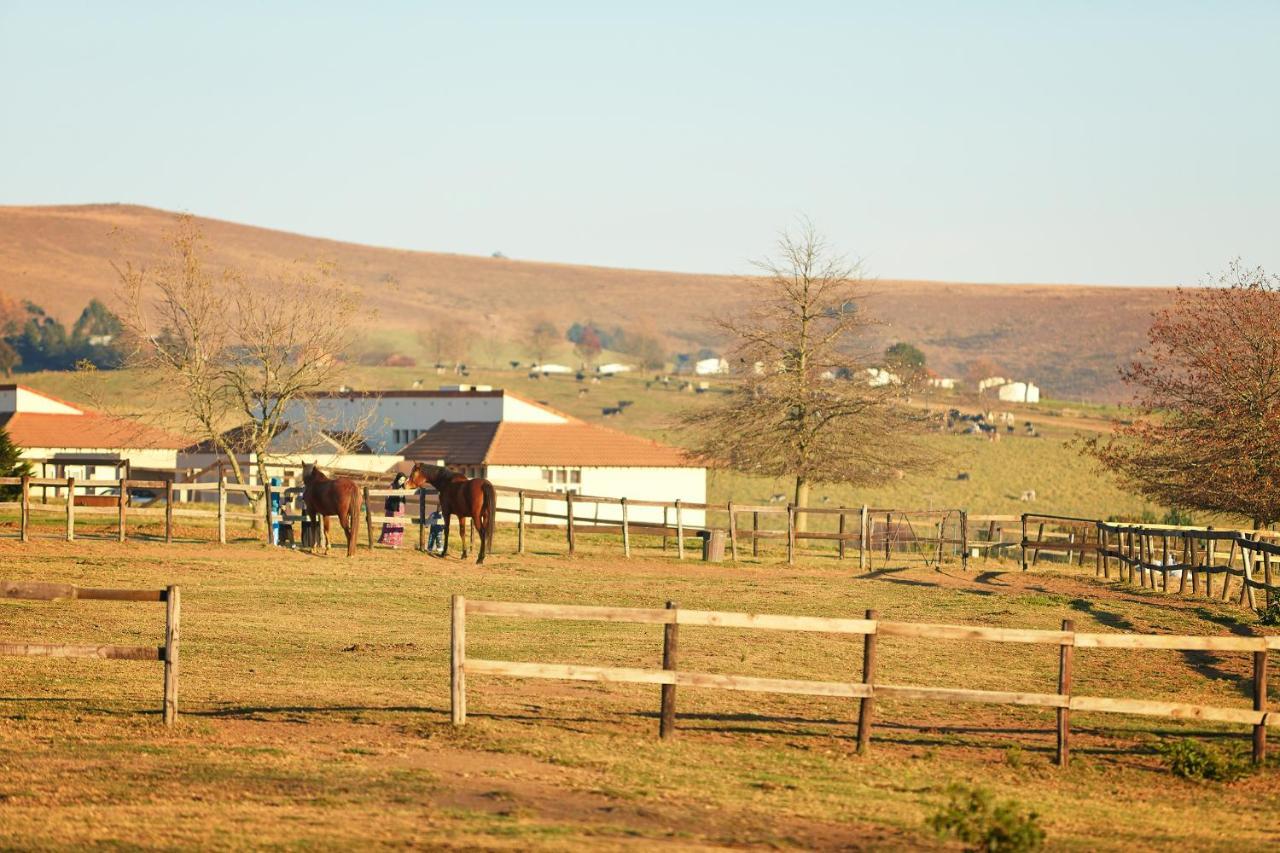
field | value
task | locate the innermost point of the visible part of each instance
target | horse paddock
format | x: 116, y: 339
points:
x: 315, y: 707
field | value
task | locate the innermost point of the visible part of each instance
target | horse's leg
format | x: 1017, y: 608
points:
x: 477, y: 523
x: 344, y: 518
x: 324, y: 526
x: 462, y: 533
x: 444, y: 516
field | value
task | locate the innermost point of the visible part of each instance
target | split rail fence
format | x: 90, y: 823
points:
x: 167, y: 653
x: 867, y: 689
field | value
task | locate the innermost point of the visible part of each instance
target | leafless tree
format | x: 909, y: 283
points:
x: 803, y: 407
x: 542, y: 339
x: 446, y: 342
x: 231, y: 351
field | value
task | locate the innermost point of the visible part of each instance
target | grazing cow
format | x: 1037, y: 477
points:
x: 610, y: 411
x: 1028, y: 496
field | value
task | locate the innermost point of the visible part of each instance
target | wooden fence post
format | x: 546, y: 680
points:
x: 71, y: 508
x: 368, y: 517
x: 168, y: 510
x: 266, y: 501
x: 679, y: 530
x: 222, y: 508
x: 670, y: 647
x: 568, y: 515
x: 1097, y: 554
x: 733, y: 532
x: 24, y: 516
x: 1065, y: 653
x: 888, y: 525
x: 172, y: 615
x: 1260, y: 704
x: 520, y: 521
x: 863, y: 544
x: 626, y: 531
x: 665, y: 523
x: 123, y: 503
x: 755, y: 533
x: 1024, y: 541
x: 457, y: 659
x: 840, y: 541
x: 422, y: 520
x: 791, y: 534
x: 1208, y: 575
x: 866, y: 706
x: 964, y: 540
x: 1266, y: 576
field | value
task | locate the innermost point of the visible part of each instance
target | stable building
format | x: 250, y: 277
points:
x: 64, y: 439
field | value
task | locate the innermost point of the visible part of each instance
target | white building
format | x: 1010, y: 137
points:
x: 523, y: 444
x: 710, y: 366
x: 546, y: 369
x: 942, y: 382
x: 613, y: 368
x: 1019, y: 392
x: 878, y: 377
x: 75, y: 441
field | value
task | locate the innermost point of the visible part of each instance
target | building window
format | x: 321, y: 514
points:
x: 560, y: 479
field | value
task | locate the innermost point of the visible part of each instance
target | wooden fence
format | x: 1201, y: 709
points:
x: 1150, y: 556
x: 168, y: 653
x: 1073, y: 537
x: 868, y: 688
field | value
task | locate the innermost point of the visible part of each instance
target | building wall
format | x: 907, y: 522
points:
x: 392, y: 422
x: 654, y: 484
x: 18, y: 399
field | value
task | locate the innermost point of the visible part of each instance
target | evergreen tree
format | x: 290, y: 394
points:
x: 11, y: 464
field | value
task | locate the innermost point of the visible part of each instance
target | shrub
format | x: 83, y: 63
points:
x: 1178, y: 518
x: 1270, y: 615
x: 1191, y: 759
x: 973, y: 817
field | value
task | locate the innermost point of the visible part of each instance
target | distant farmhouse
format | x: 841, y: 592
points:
x: 515, y: 442
x: 67, y: 440
x: 1010, y: 391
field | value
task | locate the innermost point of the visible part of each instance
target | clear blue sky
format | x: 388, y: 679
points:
x: 1082, y: 142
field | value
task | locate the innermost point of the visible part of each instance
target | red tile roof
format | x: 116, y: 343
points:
x: 92, y: 429
x: 570, y: 444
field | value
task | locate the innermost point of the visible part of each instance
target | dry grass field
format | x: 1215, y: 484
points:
x: 314, y: 708
x: 1067, y: 338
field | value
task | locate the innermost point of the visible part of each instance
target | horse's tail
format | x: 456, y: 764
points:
x: 355, y: 522
x: 490, y: 511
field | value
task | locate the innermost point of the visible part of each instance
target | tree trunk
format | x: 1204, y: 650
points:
x: 802, y: 499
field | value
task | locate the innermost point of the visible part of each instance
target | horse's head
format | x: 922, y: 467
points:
x: 311, y: 473
x: 423, y: 475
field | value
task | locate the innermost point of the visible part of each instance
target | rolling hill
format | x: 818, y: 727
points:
x: 1067, y: 338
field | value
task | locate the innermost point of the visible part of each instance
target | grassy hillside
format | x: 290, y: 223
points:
x: 999, y: 472
x: 1066, y: 338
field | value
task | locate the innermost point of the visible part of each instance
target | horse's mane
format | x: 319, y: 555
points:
x: 315, y: 475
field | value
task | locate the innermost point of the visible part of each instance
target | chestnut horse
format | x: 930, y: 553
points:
x: 461, y: 497
x: 326, y: 496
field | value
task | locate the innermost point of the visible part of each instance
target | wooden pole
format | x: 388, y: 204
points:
x: 863, y: 544
x: 888, y: 525
x: 520, y: 522
x: 222, y: 508
x: 1035, y: 552
x: 840, y: 543
x: 24, y: 517
x: 368, y: 517
x: 670, y: 647
x: 1266, y: 577
x: 626, y: 531
x: 1065, y: 654
x: 422, y: 519
x: 1097, y: 555
x: 568, y: 515
x: 1208, y: 575
x: 71, y: 508
x: 664, y: 528
x: 123, y: 503
x: 1260, y: 704
x: 964, y: 540
x: 866, y: 705
x: 266, y: 501
x: 755, y: 534
x: 457, y: 659
x: 791, y: 534
x: 679, y: 530
x: 168, y: 510
x: 172, y: 615
x: 1024, y: 541
x: 733, y: 532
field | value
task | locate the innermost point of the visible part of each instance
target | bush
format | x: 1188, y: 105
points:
x: 1191, y: 759
x: 1178, y: 518
x: 973, y: 817
x: 1270, y: 615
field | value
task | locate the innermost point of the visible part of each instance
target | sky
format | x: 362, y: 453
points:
x: 1082, y: 142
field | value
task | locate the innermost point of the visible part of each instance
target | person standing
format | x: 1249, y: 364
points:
x: 393, y: 534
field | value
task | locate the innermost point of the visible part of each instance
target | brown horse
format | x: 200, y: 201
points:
x: 326, y: 496
x: 461, y: 497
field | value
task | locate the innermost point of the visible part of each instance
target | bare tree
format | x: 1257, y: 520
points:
x: 542, y: 339
x: 230, y: 351
x: 803, y: 407
x: 446, y: 343
x: 1207, y: 389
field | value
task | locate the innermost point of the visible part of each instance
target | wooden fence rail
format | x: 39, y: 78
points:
x: 868, y: 688
x: 167, y: 653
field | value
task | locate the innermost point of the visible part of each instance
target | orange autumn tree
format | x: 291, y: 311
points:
x: 1207, y: 387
